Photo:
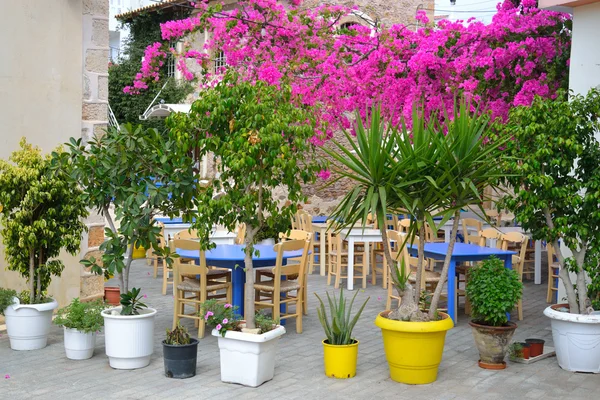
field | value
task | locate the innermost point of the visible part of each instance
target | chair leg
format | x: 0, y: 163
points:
x: 520, y: 309
x: 384, y: 272
x: 388, y: 303
x: 155, y: 266
x: 373, y: 267
x: 175, y: 309
x: 305, y: 298
x: 329, y: 271
x: 165, y: 279
x: 299, y: 312
x: 338, y: 273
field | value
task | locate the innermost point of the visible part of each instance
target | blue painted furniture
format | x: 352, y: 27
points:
x: 320, y: 219
x: 168, y: 221
x: 231, y: 256
x: 462, y: 252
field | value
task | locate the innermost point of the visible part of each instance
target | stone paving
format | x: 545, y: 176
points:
x: 47, y: 374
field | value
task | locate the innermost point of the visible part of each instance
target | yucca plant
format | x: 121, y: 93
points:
x: 339, y: 328
x: 431, y: 169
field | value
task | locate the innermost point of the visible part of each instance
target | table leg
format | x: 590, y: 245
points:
x: 537, y: 276
x: 323, y: 252
x: 452, y: 291
x: 367, y: 263
x: 238, y: 279
x: 350, y: 264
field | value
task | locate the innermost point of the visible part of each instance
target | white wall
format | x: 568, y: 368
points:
x: 585, y: 50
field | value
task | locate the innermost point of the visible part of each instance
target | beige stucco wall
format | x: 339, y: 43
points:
x: 41, y: 94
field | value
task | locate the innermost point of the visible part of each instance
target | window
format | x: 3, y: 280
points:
x: 170, y: 61
x: 220, y: 60
x: 347, y: 25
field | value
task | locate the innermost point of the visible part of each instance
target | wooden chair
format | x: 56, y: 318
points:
x: 490, y: 234
x: 377, y: 250
x: 185, y: 281
x: 161, y: 244
x: 292, y: 288
x: 495, y: 217
x: 404, y: 225
x: 337, y: 254
x: 518, y: 242
x: 186, y: 234
x: 471, y: 228
x: 553, y: 270
x: 305, y: 224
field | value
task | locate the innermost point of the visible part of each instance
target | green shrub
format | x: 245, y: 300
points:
x: 493, y: 291
x: 85, y: 317
x: 6, y: 298
x: 339, y: 329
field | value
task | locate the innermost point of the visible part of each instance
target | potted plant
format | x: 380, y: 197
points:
x: 519, y: 350
x: 340, y: 349
x: 247, y: 359
x: 81, y: 322
x: 129, y: 332
x: 493, y: 291
x: 267, y: 235
x: 41, y: 213
x: 262, y: 140
x: 554, y: 171
x: 436, y: 167
x: 180, y: 353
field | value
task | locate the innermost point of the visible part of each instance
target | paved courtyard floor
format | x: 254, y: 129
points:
x: 47, y: 374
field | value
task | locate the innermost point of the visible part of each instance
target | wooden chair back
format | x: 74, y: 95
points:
x: 295, y: 234
x: 519, y: 241
x: 471, y: 228
x: 241, y: 234
x: 186, y: 234
x: 290, y: 269
x: 181, y: 269
x: 490, y: 234
x: 404, y: 225
x: 304, y: 221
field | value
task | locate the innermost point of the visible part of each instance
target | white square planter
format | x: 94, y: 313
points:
x: 246, y: 358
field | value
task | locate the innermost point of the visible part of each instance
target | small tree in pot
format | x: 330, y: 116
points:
x: 41, y: 212
x: 493, y: 291
x: 555, y: 174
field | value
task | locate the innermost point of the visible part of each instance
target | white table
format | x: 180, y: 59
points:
x: 359, y: 235
x: 217, y: 237
x: 321, y: 228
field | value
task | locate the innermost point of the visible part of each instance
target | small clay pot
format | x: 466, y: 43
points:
x: 536, y: 347
x: 112, y: 295
x: 525, y: 351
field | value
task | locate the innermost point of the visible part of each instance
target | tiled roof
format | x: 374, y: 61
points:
x: 159, y: 4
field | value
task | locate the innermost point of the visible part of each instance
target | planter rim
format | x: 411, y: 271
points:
x: 340, y: 346
x: 250, y: 337
x: 51, y: 305
x: 551, y: 313
x: 145, y: 313
x: 193, y: 342
x: 444, y: 324
x: 78, y: 331
x: 510, y: 326
x: 112, y: 288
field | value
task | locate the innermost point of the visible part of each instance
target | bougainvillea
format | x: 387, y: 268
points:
x: 524, y: 52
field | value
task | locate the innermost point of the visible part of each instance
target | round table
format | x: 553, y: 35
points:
x: 231, y: 256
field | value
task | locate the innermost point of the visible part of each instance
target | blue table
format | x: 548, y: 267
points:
x: 231, y: 256
x: 320, y: 219
x: 168, y: 221
x: 462, y: 252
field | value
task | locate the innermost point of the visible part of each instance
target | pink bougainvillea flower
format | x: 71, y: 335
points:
x: 324, y: 174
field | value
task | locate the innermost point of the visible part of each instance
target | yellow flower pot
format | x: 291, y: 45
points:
x: 413, y: 349
x: 138, y: 252
x: 340, y: 360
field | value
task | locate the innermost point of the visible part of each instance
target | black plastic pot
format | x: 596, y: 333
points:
x: 180, y: 361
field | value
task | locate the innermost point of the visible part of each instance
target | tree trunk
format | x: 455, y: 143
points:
x: 438, y: 290
x: 249, y: 286
x: 420, y: 266
x: 387, y: 253
x: 125, y: 273
x: 38, y: 295
x: 31, y: 275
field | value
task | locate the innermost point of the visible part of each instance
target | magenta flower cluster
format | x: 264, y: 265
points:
x: 522, y: 53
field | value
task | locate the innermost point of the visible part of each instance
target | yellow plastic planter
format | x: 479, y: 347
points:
x: 138, y: 252
x: 413, y: 349
x: 340, y: 360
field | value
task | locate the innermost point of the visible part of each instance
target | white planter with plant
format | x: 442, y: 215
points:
x: 41, y: 212
x: 248, y: 356
x: 560, y: 206
x: 340, y: 349
x: 81, y: 322
x: 129, y: 332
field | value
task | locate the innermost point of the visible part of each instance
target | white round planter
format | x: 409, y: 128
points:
x: 79, y: 345
x: 267, y: 242
x: 129, y: 339
x: 28, y: 325
x: 576, y: 340
x: 246, y: 358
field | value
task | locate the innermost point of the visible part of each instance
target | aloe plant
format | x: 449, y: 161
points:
x: 339, y: 329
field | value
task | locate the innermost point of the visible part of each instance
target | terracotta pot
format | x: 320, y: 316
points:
x: 536, y: 347
x: 492, y: 343
x: 112, y: 295
x: 525, y: 350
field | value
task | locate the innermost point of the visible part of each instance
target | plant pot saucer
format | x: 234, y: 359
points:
x: 548, y: 352
x: 491, y: 366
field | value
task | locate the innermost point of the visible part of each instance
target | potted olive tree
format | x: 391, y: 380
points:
x: 81, y: 322
x: 433, y: 168
x: 340, y: 349
x: 555, y: 173
x: 129, y: 332
x: 262, y: 142
x: 493, y: 292
x: 180, y: 353
x: 41, y: 212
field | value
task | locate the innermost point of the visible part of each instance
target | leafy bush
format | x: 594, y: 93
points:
x: 178, y: 336
x: 493, y: 291
x: 6, y: 298
x: 85, y: 317
x: 264, y: 322
x: 339, y: 330
x: 221, y: 316
x: 131, y: 302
